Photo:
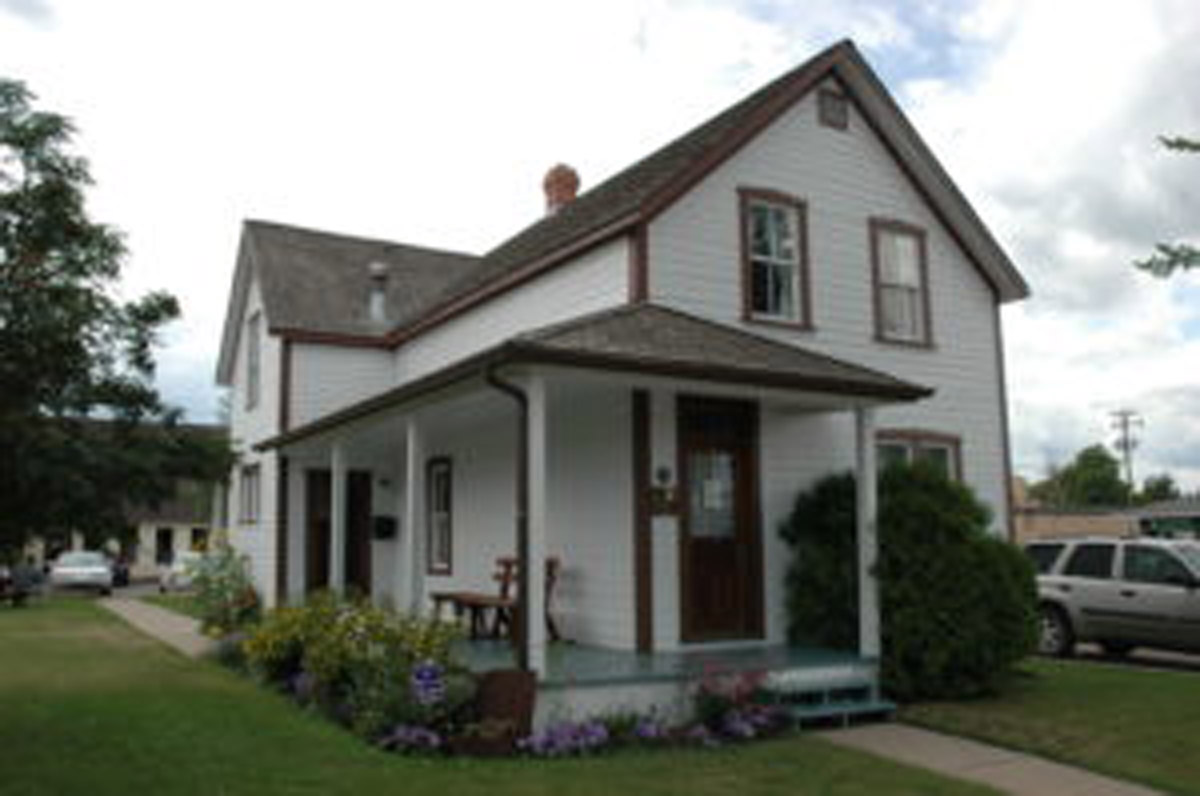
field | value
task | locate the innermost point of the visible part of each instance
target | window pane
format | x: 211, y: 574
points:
x: 760, y: 231
x: 785, y: 233
x: 1091, y: 561
x: 900, y: 309
x: 892, y: 453
x: 1044, y: 556
x: 937, y: 456
x: 1150, y: 565
x: 710, y: 494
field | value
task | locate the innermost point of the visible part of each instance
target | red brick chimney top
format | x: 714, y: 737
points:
x: 561, y: 184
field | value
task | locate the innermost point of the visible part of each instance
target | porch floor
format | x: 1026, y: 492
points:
x: 570, y: 664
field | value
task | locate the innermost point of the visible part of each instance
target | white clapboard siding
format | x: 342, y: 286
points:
x: 594, y: 281
x: 845, y: 178
x: 326, y: 378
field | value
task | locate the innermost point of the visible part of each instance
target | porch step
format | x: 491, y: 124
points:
x: 831, y: 695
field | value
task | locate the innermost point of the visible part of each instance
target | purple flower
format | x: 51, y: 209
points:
x: 428, y: 686
x: 566, y: 738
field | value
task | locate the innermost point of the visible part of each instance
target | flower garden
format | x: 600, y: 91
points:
x: 393, y: 680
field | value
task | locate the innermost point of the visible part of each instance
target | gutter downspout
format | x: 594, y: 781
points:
x: 521, y: 631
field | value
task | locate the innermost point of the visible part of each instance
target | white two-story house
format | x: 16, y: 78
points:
x: 638, y: 384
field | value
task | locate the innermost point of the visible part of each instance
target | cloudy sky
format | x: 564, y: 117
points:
x: 434, y: 122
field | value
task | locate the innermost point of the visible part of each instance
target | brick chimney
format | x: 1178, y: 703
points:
x: 561, y: 184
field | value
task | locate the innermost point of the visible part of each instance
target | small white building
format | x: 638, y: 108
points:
x: 636, y: 384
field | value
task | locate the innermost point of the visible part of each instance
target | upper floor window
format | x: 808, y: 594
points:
x: 253, y: 359
x: 440, y: 525
x: 249, y: 499
x: 901, y: 280
x: 774, y: 258
x: 941, y: 451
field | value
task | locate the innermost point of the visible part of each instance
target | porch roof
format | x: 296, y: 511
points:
x: 650, y: 340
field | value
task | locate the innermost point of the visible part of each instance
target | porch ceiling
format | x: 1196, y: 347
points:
x: 647, y: 342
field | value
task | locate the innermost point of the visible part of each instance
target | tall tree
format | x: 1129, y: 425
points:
x: 1093, y: 478
x: 71, y: 352
x: 1158, y: 487
x: 1171, y: 257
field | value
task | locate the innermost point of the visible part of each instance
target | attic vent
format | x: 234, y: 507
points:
x: 377, y: 297
x: 833, y: 109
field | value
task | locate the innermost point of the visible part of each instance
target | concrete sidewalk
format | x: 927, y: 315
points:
x: 171, y: 628
x: 1003, y: 769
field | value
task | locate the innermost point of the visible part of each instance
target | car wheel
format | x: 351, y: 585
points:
x: 1116, y: 649
x: 1055, y: 636
x: 106, y: 592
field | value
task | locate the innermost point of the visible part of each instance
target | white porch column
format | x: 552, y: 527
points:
x: 411, y: 557
x: 535, y: 637
x: 866, y: 479
x: 337, y: 517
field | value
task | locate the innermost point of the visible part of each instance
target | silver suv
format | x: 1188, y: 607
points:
x: 1120, y: 593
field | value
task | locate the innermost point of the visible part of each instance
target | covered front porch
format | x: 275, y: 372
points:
x: 656, y: 478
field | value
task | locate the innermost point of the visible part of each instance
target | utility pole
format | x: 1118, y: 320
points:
x: 1124, y: 421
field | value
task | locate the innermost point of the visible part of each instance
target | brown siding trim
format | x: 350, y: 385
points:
x: 877, y: 226
x: 745, y: 196
x: 281, y: 532
x: 430, y: 567
x: 328, y: 338
x: 643, y: 561
x: 918, y: 437
x: 285, y: 384
x: 639, y: 276
x: 1006, y: 442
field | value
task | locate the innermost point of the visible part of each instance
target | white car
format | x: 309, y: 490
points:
x: 82, y: 569
x: 179, y: 575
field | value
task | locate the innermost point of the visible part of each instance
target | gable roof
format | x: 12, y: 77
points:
x: 650, y: 340
x: 315, y: 285
x: 637, y: 194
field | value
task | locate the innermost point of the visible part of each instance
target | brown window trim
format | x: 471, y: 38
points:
x: 825, y: 113
x: 917, y: 438
x: 431, y: 567
x: 745, y: 196
x: 878, y: 226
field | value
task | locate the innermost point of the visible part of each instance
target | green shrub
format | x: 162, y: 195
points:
x: 224, y: 590
x: 355, y: 662
x: 957, y: 605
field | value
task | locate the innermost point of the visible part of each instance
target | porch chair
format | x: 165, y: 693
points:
x: 506, y: 576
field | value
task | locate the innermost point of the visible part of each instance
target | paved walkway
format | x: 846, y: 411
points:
x: 171, y: 628
x: 1005, y: 770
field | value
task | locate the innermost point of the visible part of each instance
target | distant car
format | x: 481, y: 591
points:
x: 82, y: 569
x: 1119, y: 593
x: 179, y: 575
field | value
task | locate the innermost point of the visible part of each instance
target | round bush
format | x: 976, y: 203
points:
x: 957, y: 605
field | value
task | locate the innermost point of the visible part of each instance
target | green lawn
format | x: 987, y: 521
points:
x: 88, y: 705
x: 1132, y: 723
x: 175, y: 601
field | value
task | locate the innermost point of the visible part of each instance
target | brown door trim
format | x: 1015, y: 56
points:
x: 318, y: 510
x: 281, y: 532
x: 643, y: 560
x: 743, y: 437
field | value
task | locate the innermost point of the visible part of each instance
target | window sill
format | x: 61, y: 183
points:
x: 779, y: 323
x: 920, y: 345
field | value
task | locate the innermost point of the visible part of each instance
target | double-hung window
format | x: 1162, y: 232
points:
x: 249, y: 498
x: 941, y: 451
x: 774, y: 254
x: 439, y: 510
x: 253, y: 359
x: 901, y: 280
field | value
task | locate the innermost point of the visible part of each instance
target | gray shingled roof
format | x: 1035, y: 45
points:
x: 319, y: 281
x: 653, y: 339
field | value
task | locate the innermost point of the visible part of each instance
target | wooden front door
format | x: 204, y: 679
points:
x: 318, y: 502
x: 357, y: 551
x: 720, y: 542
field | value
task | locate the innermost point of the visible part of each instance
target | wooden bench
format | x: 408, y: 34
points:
x: 502, y: 606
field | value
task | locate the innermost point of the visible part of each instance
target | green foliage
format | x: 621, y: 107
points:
x: 355, y: 661
x: 1168, y: 258
x: 957, y: 605
x: 1093, y: 478
x: 225, y: 595
x: 1158, y: 487
x: 70, y: 350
